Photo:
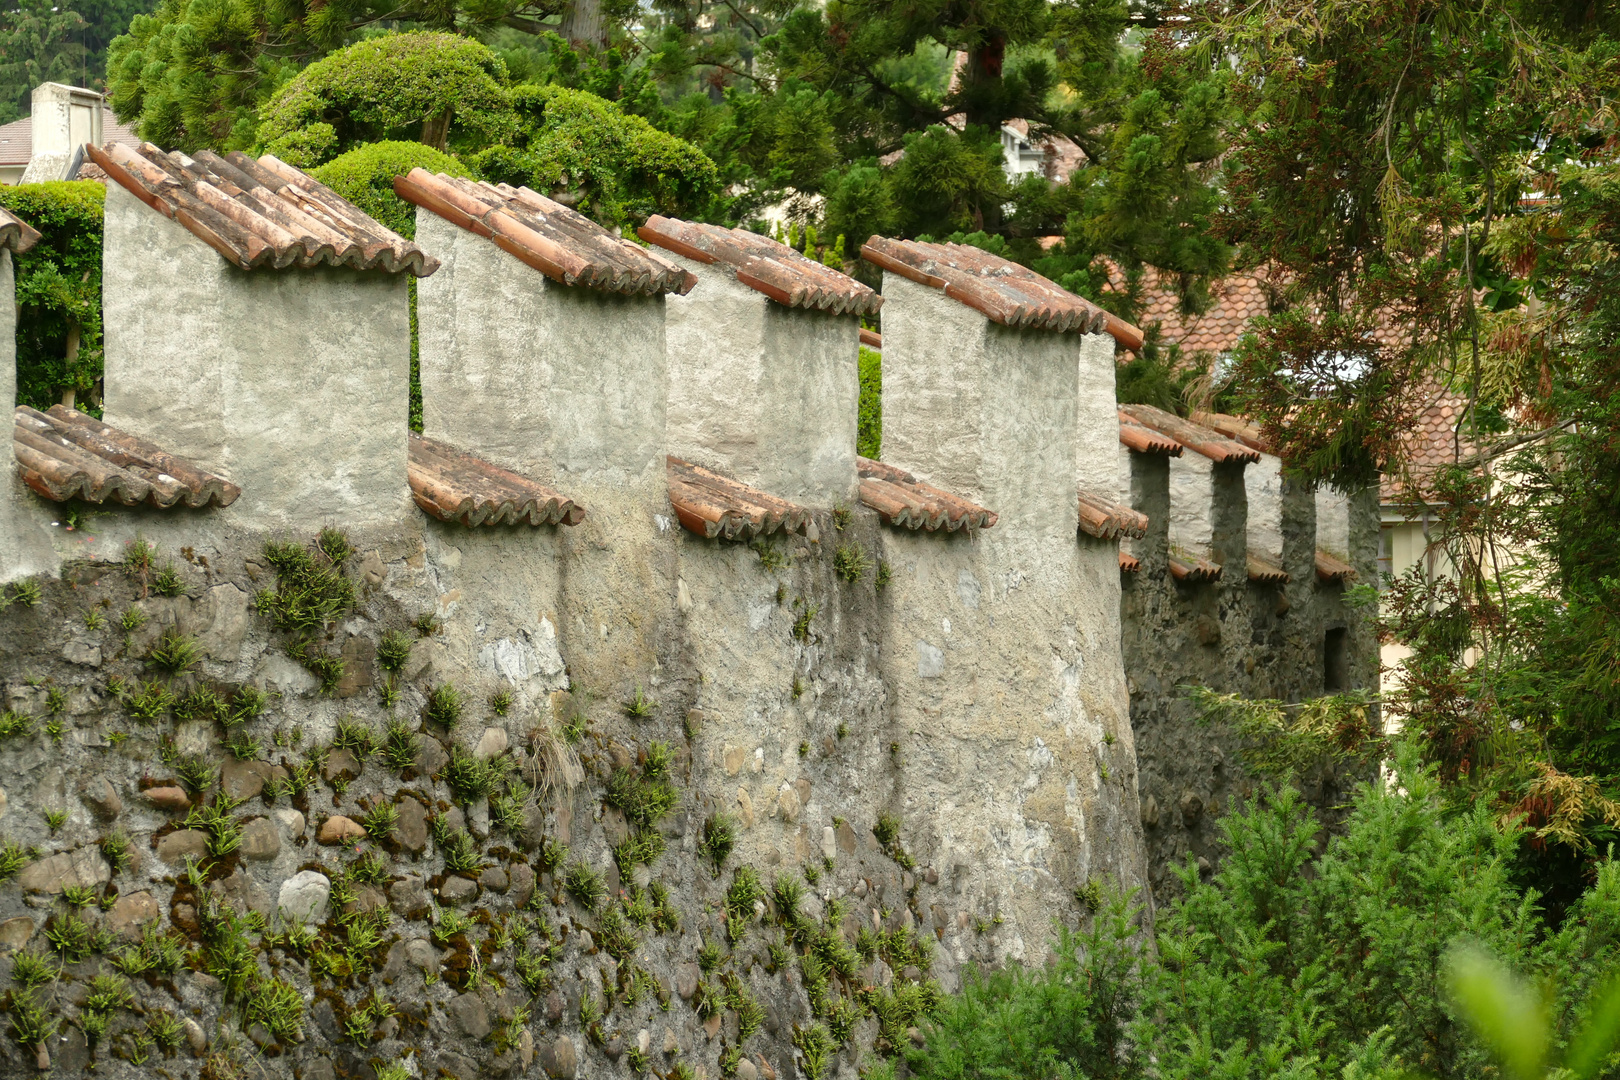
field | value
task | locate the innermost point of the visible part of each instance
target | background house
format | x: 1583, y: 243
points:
x: 46, y: 144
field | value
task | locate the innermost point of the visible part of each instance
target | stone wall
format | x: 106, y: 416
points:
x: 1233, y: 635
x: 917, y: 744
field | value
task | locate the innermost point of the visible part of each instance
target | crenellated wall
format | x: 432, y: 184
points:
x: 927, y: 729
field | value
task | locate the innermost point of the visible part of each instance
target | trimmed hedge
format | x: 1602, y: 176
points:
x: 59, y: 292
x: 365, y: 176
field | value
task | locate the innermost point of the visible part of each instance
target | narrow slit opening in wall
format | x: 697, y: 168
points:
x: 1335, y: 660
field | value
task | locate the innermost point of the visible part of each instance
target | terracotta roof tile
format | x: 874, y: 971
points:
x: 455, y: 486
x: 1236, y: 300
x: 1233, y: 427
x: 1185, y: 566
x: 871, y: 339
x: 1431, y: 441
x: 1129, y: 564
x: 1002, y: 291
x: 764, y: 265
x: 562, y: 244
x: 259, y: 213
x: 15, y: 233
x: 1329, y: 568
x: 1211, y: 444
x: 713, y: 505
x: 908, y: 503
x: 1264, y: 572
x: 1108, y: 520
x: 64, y: 454
x: 1145, y: 440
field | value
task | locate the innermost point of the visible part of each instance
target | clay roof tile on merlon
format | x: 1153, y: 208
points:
x: 64, y: 454
x: 456, y: 486
x: 715, y: 506
x: 908, y: 503
x: 15, y: 233
x: 1002, y: 291
x: 259, y: 213
x: 562, y: 244
x: 764, y: 265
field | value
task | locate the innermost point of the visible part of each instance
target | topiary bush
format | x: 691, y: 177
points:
x: 59, y: 345
x: 444, y: 89
x: 365, y: 176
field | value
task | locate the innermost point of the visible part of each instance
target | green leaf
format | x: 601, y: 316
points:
x: 1502, y: 1011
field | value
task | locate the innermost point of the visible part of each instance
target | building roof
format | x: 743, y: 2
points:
x: 764, y: 265
x: 562, y: 244
x: 1432, y: 440
x: 1236, y: 300
x: 259, y: 213
x: 997, y: 288
x: 1211, y: 444
x: 1108, y: 520
x: 17, y: 138
x: 15, y: 233
x: 715, y: 506
x: 64, y: 454
x: 908, y: 503
x: 455, y: 486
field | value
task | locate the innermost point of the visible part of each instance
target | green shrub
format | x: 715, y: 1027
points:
x: 869, y: 426
x: 59, y: 346
x: 365, y: 176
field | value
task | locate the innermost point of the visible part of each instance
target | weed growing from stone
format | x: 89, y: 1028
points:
x: 158, y: 952
x: 552, y: 855
x: 168, y: 582
x: 195, y: 773
x: 56, y: 701
x: 640, y: 706
x: 798, y: 692
x: 55, y: 819
x: 165, y: 1028
x: 841, y: 516
x: 444, y: 706
x: 393, y: 650
x: 850, y: 563
x: 779, y: 956
x: 139, y: 554
x: 381, y: 821
x: 388, y: 692
x: 108, y: 992
x: 801, y: 624
x: 94, y: 620
x: 635, y: 1059
x: 78, y: 896
x: 584, y: 884
x: 399, y: 746
x: 355, y: 737
x: 816, y: 1044
x: 615, y: 936
x: 132, y: 620
x: 115, y: 849
x: 243, y: 747
x: 500, y: 702
x: 811, y: 874
x: 247, y: 703
x: 718, y: 840
x: 469, y: 777
x: 279, y: 1007
x: 31, y: 1024
x: 30, y: 969
x: 643, y: 847
x: 426, y: 624
x: 534, y: 970
x: 15, y: 723
x: 310, y: 591
x: 744, y: 893
x: 199, y: 703
x: 644, y: 799
x: 461, y: 855
x: 771, y: 557
x: 884, y: 576
x: 70, y: 937
x: 13, y: 857
x: 174, y: 652
x: 394, y: 1070
x: 787, y: 893
x: 327, y: 669
x: 666, y: 919
x: 447, y: 923
x: 707, y: 1001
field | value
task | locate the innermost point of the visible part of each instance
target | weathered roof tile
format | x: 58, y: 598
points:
x: 1002, y: 291
x: 15, y: 233
x: 1109, y: 520
x: 764, y: 265
x: 1185, y: 566
x: 908, y: 503
x: 455, y: 486
x: 64, y: 454
x: 259, y: 213
x: 1333, y: 569
x: 562, y: 244
x: 1211, y: 444
x: 715, y: 506
x: 1264, y: 572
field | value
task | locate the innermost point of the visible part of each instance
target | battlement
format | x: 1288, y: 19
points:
x: 636, y: 506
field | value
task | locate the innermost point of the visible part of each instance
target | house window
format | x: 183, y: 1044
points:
x: 1386, y: 554
x: 1335, y: 660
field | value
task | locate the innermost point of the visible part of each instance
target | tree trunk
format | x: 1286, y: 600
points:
x: 984, y: 65
x: 583, y: 26
x: 70, y: 357
x: 436, y: 130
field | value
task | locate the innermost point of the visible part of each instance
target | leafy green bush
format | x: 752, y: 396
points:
x: 618, y: 167
x: 442, y: 89
x: 1287, y: 962
x: 59, y: 345
x: 869, y: 428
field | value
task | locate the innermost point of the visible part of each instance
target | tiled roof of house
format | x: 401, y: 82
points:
x: 1237, y: 299
x: 15, y: 233
x: 908, y: 503
x: 562, y: 244
x: 1433, y: 440
x: 715, y: 506
x: 1108, y: 520
x: 64, y: 454
x: 455, y: 486
x: 259, y: 213
x: 764, y: 265
x: 1002, y: 291
x: 17, y: 138
x: 1211, y: 444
